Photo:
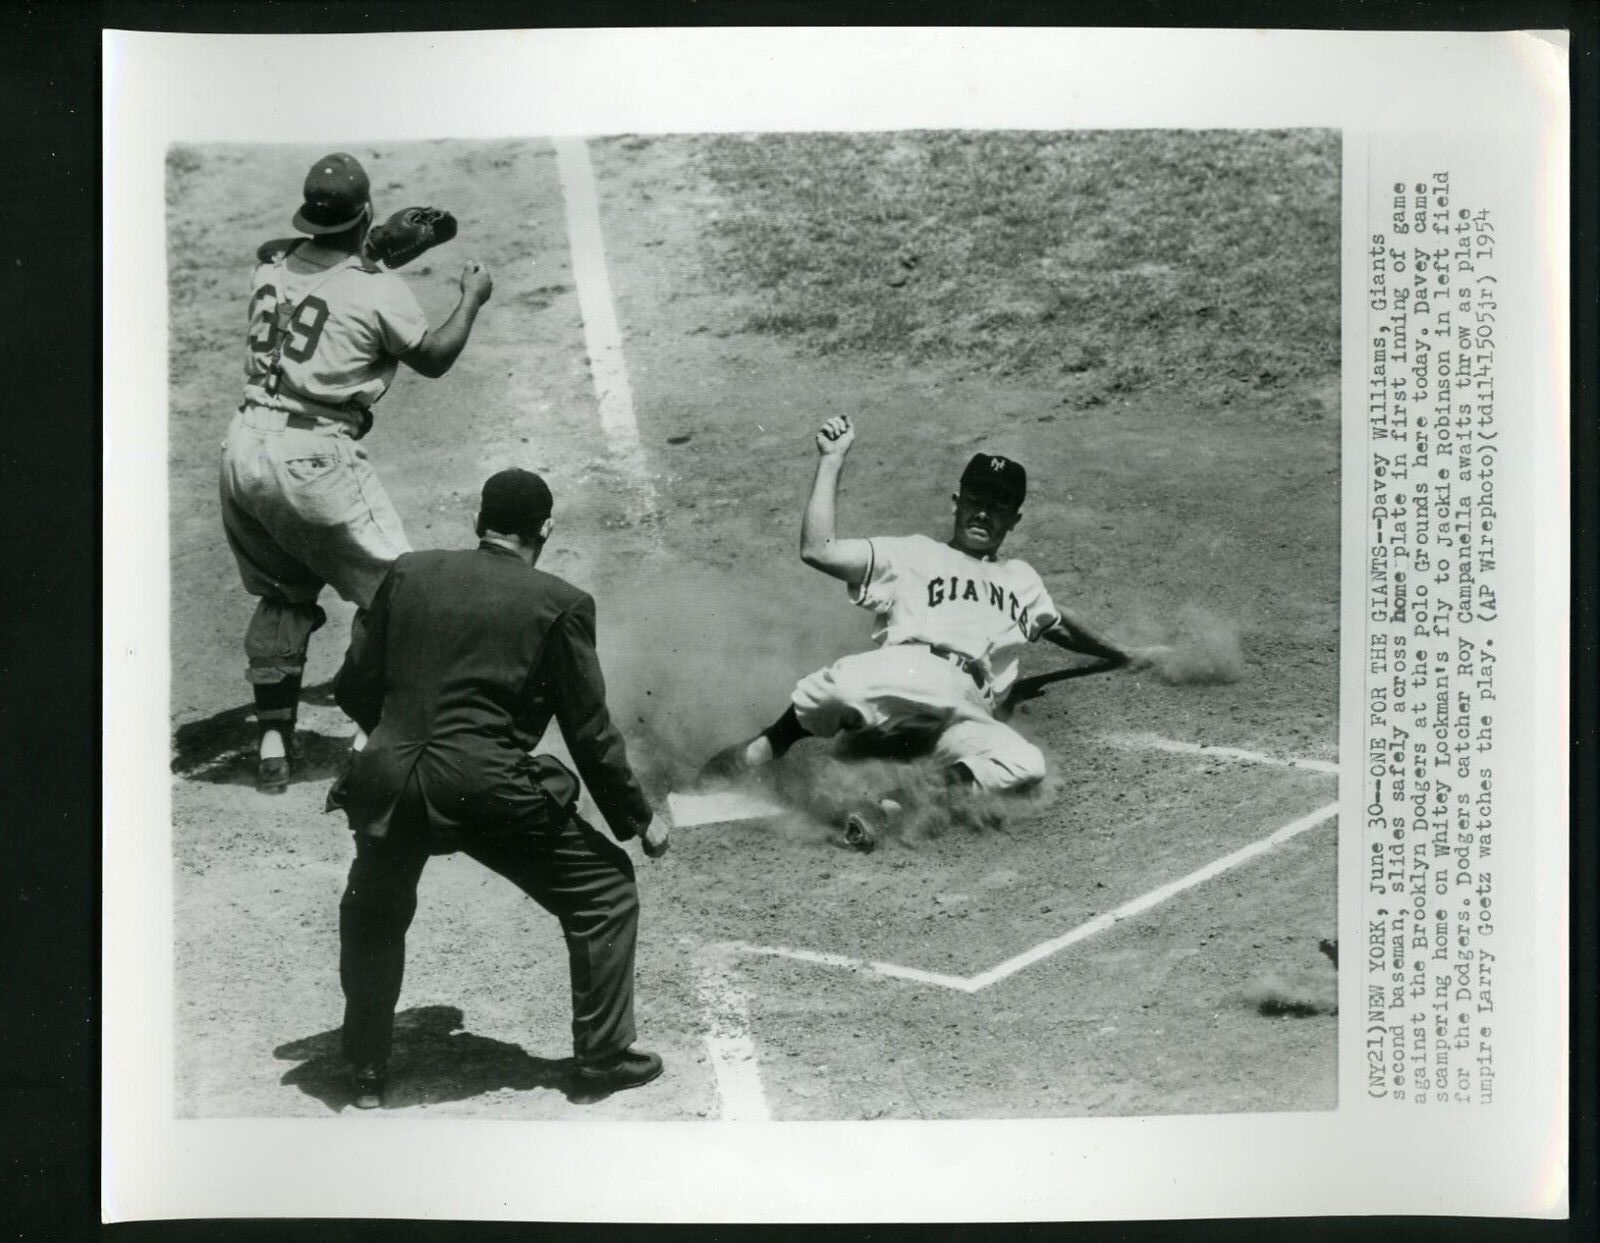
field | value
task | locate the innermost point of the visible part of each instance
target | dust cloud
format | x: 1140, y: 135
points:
x: 697, y: 658
x: 1205, y: 649
x: 1297, y: 994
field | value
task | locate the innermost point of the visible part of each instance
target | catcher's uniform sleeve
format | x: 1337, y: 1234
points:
x: 591, y: 736
x: 401, y: 321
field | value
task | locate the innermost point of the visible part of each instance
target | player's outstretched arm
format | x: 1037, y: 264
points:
x: 439, y: 348
x: 820, y: 546
x: 1070, y: 632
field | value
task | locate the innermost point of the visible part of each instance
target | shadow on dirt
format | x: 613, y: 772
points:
x: 221, y: 748
x: 1033, y: 686
x: 433, y: 1061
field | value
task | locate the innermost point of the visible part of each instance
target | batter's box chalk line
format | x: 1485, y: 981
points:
x: 1154, y: 742
x: 731, y: 1045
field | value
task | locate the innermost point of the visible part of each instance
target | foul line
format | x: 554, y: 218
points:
x: 602, y: 334
x: 1155, y: 897
x: 1134, y: 906
x: 1153, y: 742
x: 893, y: 970
x: 731, y: 1046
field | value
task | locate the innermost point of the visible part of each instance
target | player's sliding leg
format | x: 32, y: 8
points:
x: 770, y: 744
x: 996, y: 757
x: 973, y: 754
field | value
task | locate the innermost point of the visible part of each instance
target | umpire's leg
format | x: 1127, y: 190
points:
x: 586, y: 881
x: 379, y: 901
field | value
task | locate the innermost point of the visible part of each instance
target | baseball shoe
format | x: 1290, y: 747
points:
x: 864, y: 825
x: 725, y: 765
x: 272, y: 772
x: 632, y: 1068
x: 272, y: 775
x: 366, y: 1086
x: 860, y: 833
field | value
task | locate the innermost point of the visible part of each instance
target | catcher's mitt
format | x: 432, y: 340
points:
x: 407, y: 233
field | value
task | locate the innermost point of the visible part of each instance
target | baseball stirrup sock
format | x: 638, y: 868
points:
x: 784, y: 732
x: 277, y: 703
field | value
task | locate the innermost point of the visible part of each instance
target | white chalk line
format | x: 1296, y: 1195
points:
x: 602, y: 334
x: 1134, y: 906
x: 892, y: 970
x: 1155, y: 897
x: 731, y: 1046
x: 1154, y: 742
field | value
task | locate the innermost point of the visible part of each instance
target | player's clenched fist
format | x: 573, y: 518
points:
x: 476, y: 283
x: 836, y: 436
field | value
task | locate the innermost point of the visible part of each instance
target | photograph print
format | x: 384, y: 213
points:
x: 755, y: 626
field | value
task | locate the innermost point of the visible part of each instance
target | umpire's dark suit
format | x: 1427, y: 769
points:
x: 463, y: 659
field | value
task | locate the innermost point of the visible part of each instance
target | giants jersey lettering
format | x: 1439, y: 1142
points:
x: 345, y: 337
x: 927, y: 592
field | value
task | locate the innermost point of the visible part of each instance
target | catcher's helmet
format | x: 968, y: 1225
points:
x: 337, y: 195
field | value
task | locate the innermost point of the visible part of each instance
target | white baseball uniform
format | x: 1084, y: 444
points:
x: 301, y: 505
x: 950, y: 627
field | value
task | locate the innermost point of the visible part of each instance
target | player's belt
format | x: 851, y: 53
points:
x: 972, y: 668
x: 293, y: 405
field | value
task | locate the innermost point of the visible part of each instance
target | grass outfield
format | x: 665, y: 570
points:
x: 1113, y: 261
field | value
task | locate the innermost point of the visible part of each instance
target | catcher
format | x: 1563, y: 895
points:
x: 951, y: 621
x: 329, y: 323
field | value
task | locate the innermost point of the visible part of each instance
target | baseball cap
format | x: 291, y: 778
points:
x: 995, y: 477
x: 337, y: 193
x: 516, y: 502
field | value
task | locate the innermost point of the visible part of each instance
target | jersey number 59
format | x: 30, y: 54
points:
x: 304, y: 328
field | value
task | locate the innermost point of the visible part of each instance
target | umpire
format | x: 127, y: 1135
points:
x: 464, y: 659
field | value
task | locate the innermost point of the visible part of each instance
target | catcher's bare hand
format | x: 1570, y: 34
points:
x: 836, y: 436
x: 655, y: 838
x: 476, y: 283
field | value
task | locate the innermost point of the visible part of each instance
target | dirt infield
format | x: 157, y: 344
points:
x: 1183, y: 487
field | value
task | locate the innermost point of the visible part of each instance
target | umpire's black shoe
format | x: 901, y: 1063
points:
x: 272, y: 775
x: 632, y: 1068
x: 366, y: 1086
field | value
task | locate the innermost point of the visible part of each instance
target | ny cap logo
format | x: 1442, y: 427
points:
x: 997, y: 463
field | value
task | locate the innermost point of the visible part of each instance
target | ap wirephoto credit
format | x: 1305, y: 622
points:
x: 756, y: 626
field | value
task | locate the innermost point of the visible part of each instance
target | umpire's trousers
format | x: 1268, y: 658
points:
x: 581, y: 877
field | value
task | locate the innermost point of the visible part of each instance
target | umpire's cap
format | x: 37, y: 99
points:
x: 515, y: 502
x: 337, y: 195
x: 996, y: 478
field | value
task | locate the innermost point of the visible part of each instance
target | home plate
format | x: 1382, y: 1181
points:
x: 719, y: 807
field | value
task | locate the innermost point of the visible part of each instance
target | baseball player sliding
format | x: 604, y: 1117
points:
x: 329, y: 324
x: 952, y: 619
